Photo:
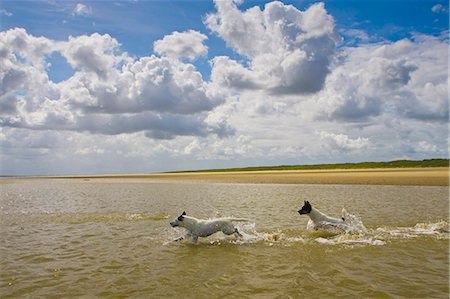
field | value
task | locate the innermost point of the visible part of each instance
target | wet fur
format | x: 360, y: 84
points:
x: 204, y: 228
x: 317, y: 217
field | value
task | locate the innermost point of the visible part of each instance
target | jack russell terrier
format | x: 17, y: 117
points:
x: 204, y: 228
x: 318, y: 218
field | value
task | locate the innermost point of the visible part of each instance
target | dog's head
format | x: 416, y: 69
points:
x: 306, y: 209
x: 176, y: 221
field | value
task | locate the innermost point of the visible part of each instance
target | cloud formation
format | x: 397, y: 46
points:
x: 291, y: 93
x: 188, y: 44
x: 289, y: 51
x: 342, y: 142
x: 110, y: 92
x: 404, y: 78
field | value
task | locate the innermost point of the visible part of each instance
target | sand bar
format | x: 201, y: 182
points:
x: 436, y: 176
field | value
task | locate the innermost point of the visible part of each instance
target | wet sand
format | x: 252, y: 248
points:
x: 437, y: 176
x: 416, y: 177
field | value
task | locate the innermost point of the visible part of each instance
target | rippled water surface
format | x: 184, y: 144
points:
x: 74, y: 238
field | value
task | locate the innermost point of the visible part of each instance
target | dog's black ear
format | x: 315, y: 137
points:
x: 180, y: 218
x: 308, y: 207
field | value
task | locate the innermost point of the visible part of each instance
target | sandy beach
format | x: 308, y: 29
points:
x: 437, y: 176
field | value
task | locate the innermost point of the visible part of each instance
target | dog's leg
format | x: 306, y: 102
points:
x: 194, y: 239
x: 182, y: 238
x: 229, y: 230
x: 237, y: 233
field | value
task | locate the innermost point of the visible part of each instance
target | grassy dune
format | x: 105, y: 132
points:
x: 362, y: 165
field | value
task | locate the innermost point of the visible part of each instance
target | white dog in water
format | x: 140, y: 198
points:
x: 204, y: 228
x: 319, y: 219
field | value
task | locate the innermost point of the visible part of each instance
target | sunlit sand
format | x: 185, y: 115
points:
x: 438, y: 176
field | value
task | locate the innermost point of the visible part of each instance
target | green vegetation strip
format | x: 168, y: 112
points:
x: 362, y: 165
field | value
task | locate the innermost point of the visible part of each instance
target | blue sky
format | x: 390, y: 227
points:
x: 244, y: 109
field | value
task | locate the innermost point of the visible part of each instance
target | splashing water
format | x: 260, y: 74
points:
x: 352, y: 225
x: 440, y: 229
x: 251, y: 235
x: 350, y: 233
x: 353, y: 232
x: 383, y: 235
x: 347, y: 239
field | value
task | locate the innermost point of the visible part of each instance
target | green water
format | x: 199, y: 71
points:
x: 74, y: 238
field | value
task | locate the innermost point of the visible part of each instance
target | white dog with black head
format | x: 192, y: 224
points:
x: 204, y: 228
x: 319, y: 219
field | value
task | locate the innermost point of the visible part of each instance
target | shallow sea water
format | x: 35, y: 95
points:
x: 75, y: 238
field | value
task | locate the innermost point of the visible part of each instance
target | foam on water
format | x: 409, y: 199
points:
x: 351, y: 233
x: 347, y: 239
x: 439, y: 229
x: 251, y: 235
x: 384, y: 235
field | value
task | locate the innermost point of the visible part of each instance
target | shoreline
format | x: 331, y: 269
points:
x: 433, y: 176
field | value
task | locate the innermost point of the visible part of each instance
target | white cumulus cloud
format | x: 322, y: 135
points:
x: 95, y: 53
x: 405, y: 78
x: 343, y: 142
x: 187, y: 44
x: 292, y: 93
x: 110, y: 93
x: 289, y: 51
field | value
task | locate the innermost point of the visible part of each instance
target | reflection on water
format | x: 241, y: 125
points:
x: 75, y: 238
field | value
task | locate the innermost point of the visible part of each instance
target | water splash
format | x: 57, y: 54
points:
x: 347, y: 239
x: 352, y: 225
x: 439, y: 229
x: 352, y: 233
x: 384, y: 235
x: 251, y: 235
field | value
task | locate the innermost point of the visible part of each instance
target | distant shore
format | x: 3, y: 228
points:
x: 433, y: 176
